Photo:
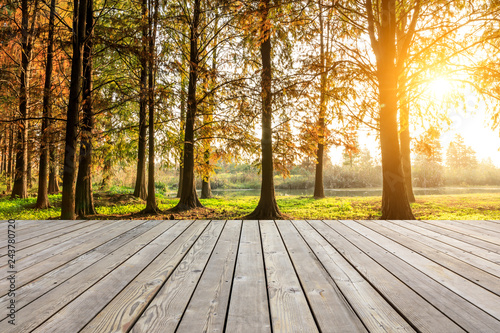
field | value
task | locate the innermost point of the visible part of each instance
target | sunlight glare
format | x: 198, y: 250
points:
x: 439, y: 88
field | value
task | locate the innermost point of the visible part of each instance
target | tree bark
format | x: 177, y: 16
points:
x: 395, y: 205
x: 53, y: 164
x: 181, y: 134
x: 11, y: 157
x: 140, y: 180
x: 267, y: 208
x: 206, y: 189
x: 42, y: 200
x: 151, y: 206
x: 318, y: 180
x: 84, y: 199
x: 69, y: 172
x: 189, y: 198
x: 404, y: 137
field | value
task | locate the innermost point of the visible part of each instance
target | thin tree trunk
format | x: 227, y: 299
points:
x: 395, y: 205
x: 140, y: 179
x: 84, y: 199
x: 70, y: 167
x: 11, y: 158
x: 30, y: 146
x: 106, y: 174
x: 318, y: 180
x: 181, y: 134
x: 53, y: 165
x: 151, y: 206
x: 267, y: 208
x: 42, y: 200
x: 189, y: 198
x: 404, y: 137
x: 20, y: 188
x: 206, y: 189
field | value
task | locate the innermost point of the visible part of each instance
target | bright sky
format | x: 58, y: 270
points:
x: 471, y: 125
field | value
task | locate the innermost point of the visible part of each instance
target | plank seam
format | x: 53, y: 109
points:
x: 232, y: 279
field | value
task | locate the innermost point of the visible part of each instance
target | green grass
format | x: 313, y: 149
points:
x: 123, y: 205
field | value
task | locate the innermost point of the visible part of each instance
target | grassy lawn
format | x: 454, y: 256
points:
x: 125, y: 206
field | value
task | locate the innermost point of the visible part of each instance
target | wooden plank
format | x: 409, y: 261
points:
x: 40, y: 231
x: 467, y: 271
x: 171, y: 246
x: 477, y: 295
x: 42, y: 308
x: 489, y: 225
x: 414, y: 308
x: 40, y: 252
x: 479, y: 227
x: 52, y: 279
x: 35, y: 266
x: 289, y: 308
x: 248, y: 307
x: 375, y: 312
x: 206, y: 312
x: 469, y: 230
x: 122, y: 312
x: 473, y: 250
x: 464, y: 313
x: 431, y: 243
x: 331, y: 310
x: 36, y: 245
x: 458, y: 236
x: 165, y: 311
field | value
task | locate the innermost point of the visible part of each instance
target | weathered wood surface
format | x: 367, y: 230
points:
x: 253, y: 276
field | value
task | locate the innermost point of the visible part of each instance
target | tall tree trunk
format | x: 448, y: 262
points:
x: 206, y: 189
x: 151, y: 206
x: 267, y: 208
x: 140, y: 180
x: 3, y: 143
x: 20, y: 188
x: 69, y: 173
x: 106, y: 173
x: 30, y: 147
x: 53, y: 164
x: 318, y: 180
x: 404, y: 137
x: 181, y: 135
x: 11, y: 157
x: 42, y: 200
x: 84, y: 199
x: 189, y: 198
x: 395, y: 205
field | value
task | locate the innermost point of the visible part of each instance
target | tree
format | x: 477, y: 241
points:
x: 151, y: 206
x: 189, y: 198
x: 84, y: 200
x: 42, y: 200
x: 69, y: 172
x: 20, y: 188
x: 395, y: 204
x: 318, y: 180
x: 140, y: 181
x: 267, y: 208
x: 460, y: 156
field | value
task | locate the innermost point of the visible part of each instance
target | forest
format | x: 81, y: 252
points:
x: 149, y: 102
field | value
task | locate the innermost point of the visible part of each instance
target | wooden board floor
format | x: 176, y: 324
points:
x: 253, y: 276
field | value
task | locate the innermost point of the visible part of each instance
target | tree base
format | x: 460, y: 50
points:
x: 151, y: 210
x: 269, y: 211
x: 182, y: 207
x: 43, y: 205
